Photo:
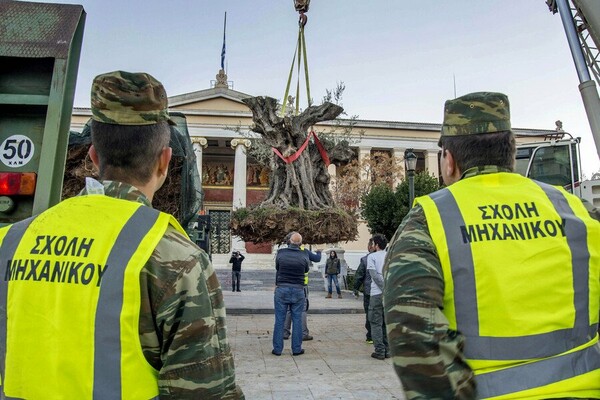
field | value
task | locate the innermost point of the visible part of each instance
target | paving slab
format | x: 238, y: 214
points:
x: 337, y: 363
x: 257, y: 288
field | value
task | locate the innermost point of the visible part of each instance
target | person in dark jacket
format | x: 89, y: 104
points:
x: 291, y: 264
x: 313, y: 257
x: 332, y: 269
x: 362, y: 278
x: 236, y: 270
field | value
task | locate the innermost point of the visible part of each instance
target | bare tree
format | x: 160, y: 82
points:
x: 304, y: 182
x: 355, y: 179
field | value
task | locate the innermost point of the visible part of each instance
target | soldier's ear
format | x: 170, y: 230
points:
x: 94, y: 156
x: 450, y: 171
x: 163, y: 161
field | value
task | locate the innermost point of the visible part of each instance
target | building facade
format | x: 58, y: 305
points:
x: 231, y: 178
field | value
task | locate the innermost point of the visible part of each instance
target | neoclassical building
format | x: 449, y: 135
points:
x: 232, y: 179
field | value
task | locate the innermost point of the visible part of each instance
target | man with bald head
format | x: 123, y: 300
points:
x: 291, y: 264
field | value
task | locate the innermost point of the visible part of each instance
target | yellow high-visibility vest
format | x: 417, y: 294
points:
x: 306, y: 273
x: 70, y: 286
x: 521, y: 265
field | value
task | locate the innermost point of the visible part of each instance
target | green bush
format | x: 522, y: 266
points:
x: 384, y: 209
x: 350, y: 281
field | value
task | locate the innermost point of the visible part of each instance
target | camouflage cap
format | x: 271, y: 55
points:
x: 475, y: 113
x: 129, y: 98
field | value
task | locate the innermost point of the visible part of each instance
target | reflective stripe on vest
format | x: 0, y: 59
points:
x: 107, y: 352
x: 524, y: 347
x: 7, y: 250
x: 537, y: 374
x: 107, y: 340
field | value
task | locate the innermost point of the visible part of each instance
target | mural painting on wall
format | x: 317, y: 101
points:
x: 257, y: 175
x: 217, y: 174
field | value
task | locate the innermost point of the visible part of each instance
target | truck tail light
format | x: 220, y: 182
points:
x: 17, y: 183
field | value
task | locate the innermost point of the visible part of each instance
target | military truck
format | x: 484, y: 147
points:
x: 181, y: 195
x: 40, y: 46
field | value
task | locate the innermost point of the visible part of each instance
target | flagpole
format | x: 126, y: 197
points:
x: 223, y: 49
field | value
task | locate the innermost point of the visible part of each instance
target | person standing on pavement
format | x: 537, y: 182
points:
x: 375, y: 261
x: 362, y: 278
x: 492, y: 284
x: 332, y: 269
x: 236, y: 270
x: 118, y: 303
x: 313, y: 257
x: 291, y: 264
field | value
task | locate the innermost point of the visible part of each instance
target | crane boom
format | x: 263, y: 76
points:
x: 581, y: 22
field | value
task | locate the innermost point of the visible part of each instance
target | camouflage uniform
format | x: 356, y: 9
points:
x: 125, y: 98
x: 182, y: 316
x: 428, y: 358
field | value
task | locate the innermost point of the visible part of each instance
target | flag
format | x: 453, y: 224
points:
x: 223, y: 50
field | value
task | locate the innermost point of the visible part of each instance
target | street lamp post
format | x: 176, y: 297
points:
x: 410, y: 164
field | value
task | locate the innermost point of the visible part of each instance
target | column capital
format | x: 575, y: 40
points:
x: 237, y: 142
x: 201, y: 141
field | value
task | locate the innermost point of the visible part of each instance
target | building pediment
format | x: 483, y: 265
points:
x: 213, y: 99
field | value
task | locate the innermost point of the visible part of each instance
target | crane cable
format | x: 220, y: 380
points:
x: 300, y: 51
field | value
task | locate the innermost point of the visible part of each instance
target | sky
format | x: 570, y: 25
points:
x: 400, y: 60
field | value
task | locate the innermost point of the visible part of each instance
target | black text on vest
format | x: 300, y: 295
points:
x: 518, y: 221
x: 66, y: 265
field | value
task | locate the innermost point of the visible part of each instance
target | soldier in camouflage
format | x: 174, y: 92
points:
x: 182, y: 319
x: 429, y: 356
x: 182, y: 330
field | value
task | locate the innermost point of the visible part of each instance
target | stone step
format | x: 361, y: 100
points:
x: 261, y: 279
x: 252, y: 261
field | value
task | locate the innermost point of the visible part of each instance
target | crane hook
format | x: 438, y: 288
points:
x: 302, y: 7
x: 302, y: 20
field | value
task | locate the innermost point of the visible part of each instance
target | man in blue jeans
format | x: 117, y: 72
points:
x: 291, y: 264
x: 313, y: 257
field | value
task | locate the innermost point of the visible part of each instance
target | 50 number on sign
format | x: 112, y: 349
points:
x: 16, y: 151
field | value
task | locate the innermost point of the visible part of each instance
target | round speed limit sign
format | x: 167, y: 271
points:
x: 16, y: 151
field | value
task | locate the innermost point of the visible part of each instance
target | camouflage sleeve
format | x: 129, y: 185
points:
x: 182, y: 323
x: 359, y: 275
x: 428, y: 357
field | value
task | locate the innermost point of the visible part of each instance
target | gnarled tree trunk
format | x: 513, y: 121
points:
x: 304, y: 183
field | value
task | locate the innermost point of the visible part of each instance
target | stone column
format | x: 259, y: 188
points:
x: 432, y: 163
x: 332, y: 170
x: 199, y: 143
x: 239, y: 184
x: 364, y: 154
x: 398, y: 154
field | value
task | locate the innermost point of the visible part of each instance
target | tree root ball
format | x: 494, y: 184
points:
x: 271, y: 224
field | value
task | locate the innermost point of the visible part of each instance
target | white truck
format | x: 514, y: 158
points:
x: 556, y: 161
